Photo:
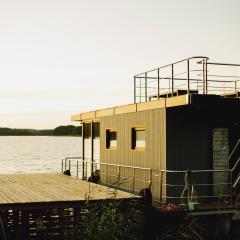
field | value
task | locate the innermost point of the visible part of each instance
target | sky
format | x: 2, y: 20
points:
x: 59, y: 58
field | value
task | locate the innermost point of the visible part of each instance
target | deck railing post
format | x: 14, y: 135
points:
x: 161, y: 186
x: 146, y: 95
x: 135, y: 89
x: 65, y: 163
x: 119, y: 173
x: 133, y: 180
x: 231, y: 184
x: 77, y: 169
x: 69, y: 165
x: 150, y: 178
x: 172, y: 68
x: 158, y: 82
x: 62, y: 165
x: 203, y: 76
x: 188, y: 76
x: 206, y: 76
x: 107, y: 175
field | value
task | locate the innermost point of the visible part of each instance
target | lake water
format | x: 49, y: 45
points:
x: 32, y: 154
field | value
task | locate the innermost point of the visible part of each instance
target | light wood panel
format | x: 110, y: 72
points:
x: 154, y: 154
x: 50, y: 187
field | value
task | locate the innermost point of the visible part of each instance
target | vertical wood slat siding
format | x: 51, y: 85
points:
x: 154, y: 155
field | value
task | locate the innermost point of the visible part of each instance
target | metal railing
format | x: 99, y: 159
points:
x: 168, y: 186
x: 191, y: 75
x: 115, y: 175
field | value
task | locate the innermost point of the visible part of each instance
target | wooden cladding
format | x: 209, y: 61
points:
x: 154, y: 154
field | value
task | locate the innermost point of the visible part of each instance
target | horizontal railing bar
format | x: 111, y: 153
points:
x: 224, y: 64
x: 169, y: 65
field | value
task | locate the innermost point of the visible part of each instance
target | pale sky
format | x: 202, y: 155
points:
x: 59, y: 58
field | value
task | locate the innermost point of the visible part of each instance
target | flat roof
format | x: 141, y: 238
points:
x: 135, y: 107
x: 48, y: 189
x: 183, y: 100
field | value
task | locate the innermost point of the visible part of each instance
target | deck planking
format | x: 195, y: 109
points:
x: 51, y: 188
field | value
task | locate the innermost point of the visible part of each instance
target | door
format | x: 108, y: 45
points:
x: 220, y: 156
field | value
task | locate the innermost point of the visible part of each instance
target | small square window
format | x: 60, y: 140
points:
x: 111, y: 139
x: 138, y: 138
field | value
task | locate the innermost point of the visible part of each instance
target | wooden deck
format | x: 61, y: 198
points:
x: 50, y: 189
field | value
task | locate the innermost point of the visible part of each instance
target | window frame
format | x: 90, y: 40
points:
x: 134, y: 140
x: 108, y: 145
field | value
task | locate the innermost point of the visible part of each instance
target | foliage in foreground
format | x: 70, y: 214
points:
x: 110, y: 219
x: 190, y: 228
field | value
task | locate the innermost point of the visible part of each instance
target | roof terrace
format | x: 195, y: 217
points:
x: 195, y: 75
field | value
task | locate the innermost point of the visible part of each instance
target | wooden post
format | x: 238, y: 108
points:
x: 24, y: 225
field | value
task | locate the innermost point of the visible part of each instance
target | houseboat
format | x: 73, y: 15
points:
x: 179, y: 138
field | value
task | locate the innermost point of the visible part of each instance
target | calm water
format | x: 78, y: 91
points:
x: 36, y: 154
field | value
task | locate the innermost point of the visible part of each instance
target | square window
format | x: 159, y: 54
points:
x: 111, y: 139
x: 138, y: 138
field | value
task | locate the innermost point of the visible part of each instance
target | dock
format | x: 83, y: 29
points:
x: 50, y: 189
x: 48, y: 205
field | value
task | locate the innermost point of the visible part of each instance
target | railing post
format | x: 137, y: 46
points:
x: 119, y: 172
x: 77, y: 169
x: 134, y: 89
x: 235, y: 86
x: 62, y: 165
x: 203, y: 77
x: 150, y: 178
x: 231, y: 184
x: 107, y: 175
x: 188, y: 76
x: 133, y: 181
x: 65, y: 163
x: 158, y: 82
x: 161, y: 185
x: 172, y: 79
x: 206, y: 76
x: 69, y: 165
x: 140, y: 90
x: 146, y: 87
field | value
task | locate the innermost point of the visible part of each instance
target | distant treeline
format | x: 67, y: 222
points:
x: 69, y: 130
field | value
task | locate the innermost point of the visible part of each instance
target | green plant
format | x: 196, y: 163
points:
x: 189, y: 229
x: 111, y: 219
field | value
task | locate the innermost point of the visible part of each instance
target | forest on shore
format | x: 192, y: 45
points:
x: 68, y: 130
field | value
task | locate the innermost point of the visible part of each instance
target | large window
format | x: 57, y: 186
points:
x: 138, y: 138
x: 96, y: 129
x: 111, y: 138
x: 87, y: 130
